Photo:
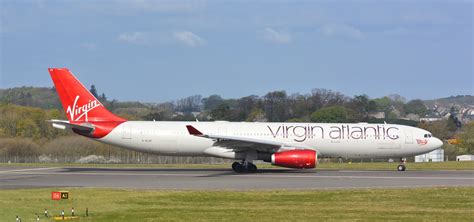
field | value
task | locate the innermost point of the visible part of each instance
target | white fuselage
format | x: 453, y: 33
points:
x: 360, y: 140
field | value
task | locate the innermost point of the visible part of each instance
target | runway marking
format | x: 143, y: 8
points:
x: 364, y: 177
x: 29, y: 169
x: 241, y: 175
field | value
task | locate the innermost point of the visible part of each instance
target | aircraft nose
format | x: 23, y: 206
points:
x: 437, y: 143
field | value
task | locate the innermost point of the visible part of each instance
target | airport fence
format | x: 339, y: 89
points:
x: 82, y: 150
x: 138, y: 159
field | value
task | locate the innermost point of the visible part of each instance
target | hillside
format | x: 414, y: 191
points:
x: 456, y: 101
x: 40, y: 97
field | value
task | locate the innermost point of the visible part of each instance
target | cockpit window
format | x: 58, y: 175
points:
x: 427, y: 135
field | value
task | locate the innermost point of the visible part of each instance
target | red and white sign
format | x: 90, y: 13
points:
x: 55, y: 195
x: 421, y: 142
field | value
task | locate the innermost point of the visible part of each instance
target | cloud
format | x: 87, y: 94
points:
x: 342, y: 30
x: 137, y: 38
x: 275, y: 36
x: 189, y: 38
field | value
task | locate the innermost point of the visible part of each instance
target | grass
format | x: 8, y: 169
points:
x: 452, y: 165
x: 420, y: 204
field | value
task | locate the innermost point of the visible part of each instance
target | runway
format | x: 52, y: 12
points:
x: 224, y: 179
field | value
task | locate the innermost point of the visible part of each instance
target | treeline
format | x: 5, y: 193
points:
x: 274, y: 106
x: 25, y: 136
x: 320, y: 105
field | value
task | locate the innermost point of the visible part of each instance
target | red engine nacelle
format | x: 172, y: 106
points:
x: 301, y: 159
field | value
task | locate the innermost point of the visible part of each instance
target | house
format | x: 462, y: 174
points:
x: 429, y: 119
x: 377, y: 115
x: 433, y: 156
x: 413, y: 117
x: 465, y: 158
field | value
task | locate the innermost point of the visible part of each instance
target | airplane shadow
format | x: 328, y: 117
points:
x: 260, y: 171
x: 89, y: 169
x: 212, y: 172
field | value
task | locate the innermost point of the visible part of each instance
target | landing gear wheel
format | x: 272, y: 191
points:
x: 238, y: 167
x: 401, y: 167
x: 251, y: 168
x: 244, y: 167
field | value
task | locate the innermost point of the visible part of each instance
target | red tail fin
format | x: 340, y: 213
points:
x: 78, y: 103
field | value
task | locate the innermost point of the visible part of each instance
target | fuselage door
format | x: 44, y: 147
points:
x: 408, y: 136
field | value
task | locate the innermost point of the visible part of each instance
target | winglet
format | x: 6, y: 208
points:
x: 193, y: 131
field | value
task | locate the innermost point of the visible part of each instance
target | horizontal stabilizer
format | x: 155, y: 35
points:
x: 64, y: 124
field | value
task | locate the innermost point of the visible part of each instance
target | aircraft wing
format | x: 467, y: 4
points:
x: 239, y: 143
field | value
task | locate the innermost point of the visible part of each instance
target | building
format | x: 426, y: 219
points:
x: 465, y: 158
x: 433, y: 156
x: 413, y: 117
x: 377, y: 115
x: 429, y: 119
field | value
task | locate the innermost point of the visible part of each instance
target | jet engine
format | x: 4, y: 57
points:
x: 300, y: 159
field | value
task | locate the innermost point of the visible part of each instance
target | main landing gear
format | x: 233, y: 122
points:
x: 244, y: 167
x: 402, y: 166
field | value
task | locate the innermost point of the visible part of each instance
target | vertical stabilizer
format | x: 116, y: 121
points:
x: 81, y: 107
x: 78, y: 103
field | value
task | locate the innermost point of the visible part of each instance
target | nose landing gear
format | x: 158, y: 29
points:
x: 244, y: 167
x: 402, y: 166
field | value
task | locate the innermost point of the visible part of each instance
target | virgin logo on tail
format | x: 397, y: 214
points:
x: 76, y: 112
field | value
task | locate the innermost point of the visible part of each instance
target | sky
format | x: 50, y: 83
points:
x: 157, y: 51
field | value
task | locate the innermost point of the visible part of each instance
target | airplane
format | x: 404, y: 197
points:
x: 284, y: 144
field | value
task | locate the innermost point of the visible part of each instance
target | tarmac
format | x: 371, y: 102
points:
x: 225, y: 179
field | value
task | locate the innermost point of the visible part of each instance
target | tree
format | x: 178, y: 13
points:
x: 332, y: 114
x: 155, y: 116
x: 27, y: 128
x: 189, y: 104
x: 324, y: 97
x: 224, y: 112
x: 416, y: 106
x: 361, y: 106
x: 256, y: 115
x: 299, y: 106
x: 275, y: 106
x: 246, y: 105
x: 212, y: 102
x: 382, y: 104
x: 467, y: 138
x: 392, y: 105
x: 93, y: 91
x: 396, y: 98
x: 102, y: 98
x: 439, y: 129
